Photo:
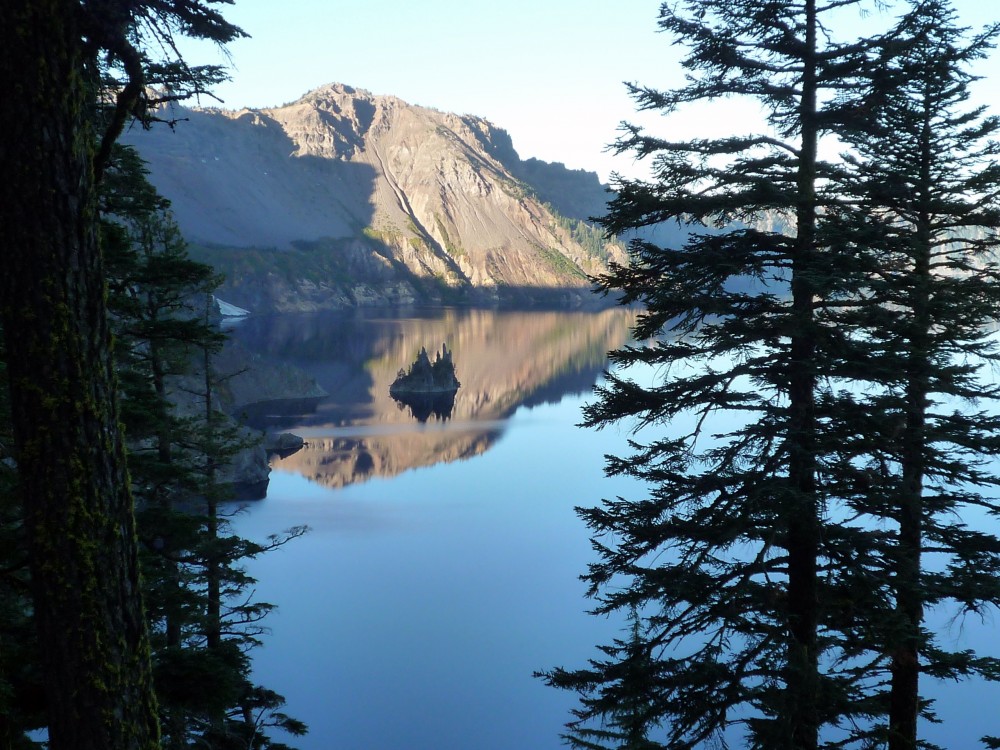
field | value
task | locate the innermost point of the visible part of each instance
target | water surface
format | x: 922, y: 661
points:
x: 442, y: 566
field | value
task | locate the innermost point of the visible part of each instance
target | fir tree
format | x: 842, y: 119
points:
x: 921, y: 217
x: 72, y: 479
x: 202, y: 621
x: 736, y: 563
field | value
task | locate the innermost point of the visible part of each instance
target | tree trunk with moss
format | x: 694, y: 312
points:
x: 75, y: 490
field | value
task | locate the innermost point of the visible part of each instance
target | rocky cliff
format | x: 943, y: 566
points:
x: 345, y: 198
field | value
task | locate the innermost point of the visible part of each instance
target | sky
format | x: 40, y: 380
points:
x: 550, y: 72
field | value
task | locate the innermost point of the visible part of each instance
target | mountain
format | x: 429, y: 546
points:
x: 346, y: 198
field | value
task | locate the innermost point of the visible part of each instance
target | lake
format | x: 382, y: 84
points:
x: 442, y: 564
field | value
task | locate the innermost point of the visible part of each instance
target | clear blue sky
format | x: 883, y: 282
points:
x: 548, y: 71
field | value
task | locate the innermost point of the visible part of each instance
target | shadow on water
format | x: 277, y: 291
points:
x: 504, y: 359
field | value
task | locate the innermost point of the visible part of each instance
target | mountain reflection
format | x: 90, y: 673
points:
x: 504, y: 360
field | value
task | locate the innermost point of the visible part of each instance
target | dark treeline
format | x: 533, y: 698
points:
x: 199, y: 609
x: 837, y: 377
x: 91, y: 256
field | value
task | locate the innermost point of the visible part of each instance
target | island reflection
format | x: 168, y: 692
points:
x: 504, y: 360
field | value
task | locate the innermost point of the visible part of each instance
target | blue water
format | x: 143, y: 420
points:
x: 414, y: 612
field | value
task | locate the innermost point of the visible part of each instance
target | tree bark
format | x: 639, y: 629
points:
x: 904, y: 694
x: 803, y: 524
x: 74, y: 485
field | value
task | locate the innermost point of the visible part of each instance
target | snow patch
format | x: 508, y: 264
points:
x: 227, y: 310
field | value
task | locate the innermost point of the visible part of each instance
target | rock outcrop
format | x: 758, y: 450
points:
x: 346, y: 198
x: 425, y: 376
x: 427, y: 388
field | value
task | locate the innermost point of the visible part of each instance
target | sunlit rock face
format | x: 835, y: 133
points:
x: 347, y: 198
x: 504, y: 360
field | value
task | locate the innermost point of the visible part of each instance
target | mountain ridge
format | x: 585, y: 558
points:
x: 349, y: 198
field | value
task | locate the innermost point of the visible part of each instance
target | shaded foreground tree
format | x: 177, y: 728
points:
x: 71, y: 466
x: 767, y: 595
x: 203, y: 618
x: 22, y: 706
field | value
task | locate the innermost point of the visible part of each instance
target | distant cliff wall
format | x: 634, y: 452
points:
x: 346, y: 198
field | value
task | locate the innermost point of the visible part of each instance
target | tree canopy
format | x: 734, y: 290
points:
x: 809, y: 340
x: 73, y: 72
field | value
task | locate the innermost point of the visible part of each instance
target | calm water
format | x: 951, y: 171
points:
x: 442, y: 564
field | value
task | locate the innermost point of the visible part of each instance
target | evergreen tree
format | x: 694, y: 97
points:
x: 736, y: 562
x: 230, y: 623
x: 893, y: 338
x: 922, y: 213
x: 72, y: 480
x: 22, y: 706
x: 202, y: 620
x: 152, y: 286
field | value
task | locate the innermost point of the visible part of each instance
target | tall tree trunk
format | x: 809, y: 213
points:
x: 904, y: 701
x: 803, y: 524
x: 75, y: 490
x: 904, y: 692
x: 213, y: 571
x: 175, y: 721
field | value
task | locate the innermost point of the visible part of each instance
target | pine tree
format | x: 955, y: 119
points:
x: 923, y: 213
x: 734, y: 563
x: 152, y: 287
x: 202, y: 621
x: 69, y: 450
x: 230, y: 623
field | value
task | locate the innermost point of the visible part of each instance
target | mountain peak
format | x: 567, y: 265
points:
x: 395, y: 193
x: 334, y: 92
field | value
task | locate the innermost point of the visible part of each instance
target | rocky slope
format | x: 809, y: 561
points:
x: 345, y: 198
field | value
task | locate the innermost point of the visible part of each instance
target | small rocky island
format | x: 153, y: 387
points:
x: 423, y: 377
x: 428, y: 388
